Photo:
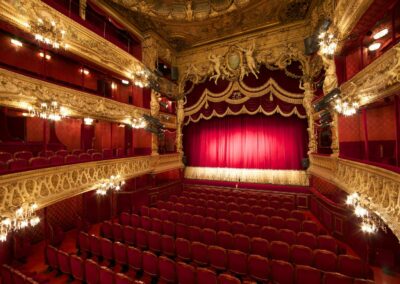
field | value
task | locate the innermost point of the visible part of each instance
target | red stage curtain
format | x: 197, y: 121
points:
x: 244, y: 141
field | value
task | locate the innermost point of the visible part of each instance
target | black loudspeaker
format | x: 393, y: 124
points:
x: 310, y: 45
x: 305, y: 163
x: 174, y: 73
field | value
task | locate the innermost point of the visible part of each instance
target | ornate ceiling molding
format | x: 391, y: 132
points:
x: 19, y: 91
x: 380, y: 186
x: 51, y: 185
x: 378, y: 80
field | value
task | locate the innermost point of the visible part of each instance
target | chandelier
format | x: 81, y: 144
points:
x: 370, y: 223
x: 47, y: 110
x: 327, y: 43
x: 140, y: 78
x: 346, y: 108
x: 22, y: 218
x: 47, y: 32
x: 138, y: 123
x: 113, y: 183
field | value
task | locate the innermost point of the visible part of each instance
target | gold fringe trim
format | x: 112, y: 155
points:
x: 282, y: 177
x: 244, y: 110
x: 270, y: 87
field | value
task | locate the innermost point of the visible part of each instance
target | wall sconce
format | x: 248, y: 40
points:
x: 88, y: 121
x: 16, y: 42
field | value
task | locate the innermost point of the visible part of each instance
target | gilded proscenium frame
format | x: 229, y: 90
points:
x: 380, y: 185
x: 17, y: 91
x: 51, y: 185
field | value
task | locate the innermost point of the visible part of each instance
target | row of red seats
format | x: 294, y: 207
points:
x: 263, y: 201
x: 215, y: 257
x: 221, y: 211
x: 10, y: 275
x: 85, y: 270
x: 24, y: 160
x: 210, y: 236
x: 198, y: 248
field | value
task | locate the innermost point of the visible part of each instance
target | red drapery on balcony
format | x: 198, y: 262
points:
x: 245, y: 141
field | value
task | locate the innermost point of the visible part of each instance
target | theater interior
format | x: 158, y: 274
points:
x: 200, y: 141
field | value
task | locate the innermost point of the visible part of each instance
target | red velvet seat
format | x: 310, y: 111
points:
x: 327, y: 243
x: 179, y: 207
x: 63, y: 262
x: 301, y: 255
x: 95, y: 245
x: 168, y: 245
x: 218, y: 258
x: 269, y: 233
x: 141, y: 238
x: 279, y: 250
x: 134, y: 258
x: 106, y: 229
x: 157, y: 226
x: 249, y: 218
x: 199, y: 253
x: 76, y: 152
x: 125, y: 219
x: 282, y: 272
x: 351, y: 266
x: 238, y: 228
x: 293, y: 224
x: 277, y: 222
x: 96, y: 156
x: 3, y: 167
x: 169, y: 228
x: 287, y: 236
x: 225, y: 240
x: 62, y: 153
x: 164, y: 214
x: 244, y: 207
x: 154, y: 240
x: 6, y: 272
x: 145, y: 223
x: 269, y: 211
x: 223, y: 225
x: 77, y: 267
x: 150, y: 264
x: 297, y: 214
x: 207, y: 276
x: 228, y: 279
x: 259, y: 246
x: 118, y: 232
x: 307, y: 239
x: 211, y: 212
x: 233, y: 207
x: 258, y: 268
x: 336, y: 278
x: 92, y: 272
x: 241, y: 243
x: 106, y: 275
x: 154, y: 213
x: 284, y: 213
x: 52, y: 257
x: 83, y: 242
x: 253, y: 230
x: 182, y: 248
x: 209, y: 236
x: 17, y: 164
x: 38, y: 162
x: 310, y: 227
x: 5, y: 156
x: 181, y: 231
x: 120, y: 253
x: 195, y: 234
x: 186, y: 273
x: 123, y: 279
x: 71, y: 159
x: 84, y: 157
x: 107, y: 249
x: 197, y: 220
x: 325, y: 260
x: 144, y: 211
x: 256, y: 210
x: 26, y: 155
x: 91, y: 151
x: 307, y: 274
x: 237, y: 262
x: 262, y: 220
x: 235, y: 216
x: 135, y: 221
x: 167, y: 269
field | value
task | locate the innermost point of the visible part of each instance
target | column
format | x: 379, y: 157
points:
x: 335, y: 134
x: 180, y: 115
x: 307, y: 103
x: 155, y: 112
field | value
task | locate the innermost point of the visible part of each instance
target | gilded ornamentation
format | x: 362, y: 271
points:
x: 307, y: 103
x: 380, y: 186
x: 50, y: 185
x: 285, y: 177
x: 19, y: 91
x: 155, y: 112
x: 82, y: 9
x: 180, y: 116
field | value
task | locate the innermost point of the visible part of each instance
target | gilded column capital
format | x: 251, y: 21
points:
x: 82, y: 9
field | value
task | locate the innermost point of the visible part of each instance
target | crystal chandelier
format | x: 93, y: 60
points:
x: 113, y: 183
x: 47, y: 110
x: 47, y: 32
x: 141, y: 78
x: 138, y: 123
x: 328, y: 43
x: 370, y: 223
x: 23, y: 217
x: 346, y: 108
